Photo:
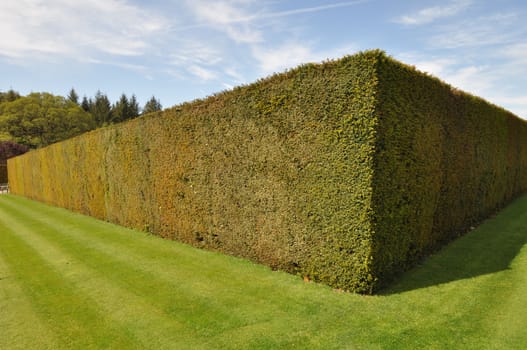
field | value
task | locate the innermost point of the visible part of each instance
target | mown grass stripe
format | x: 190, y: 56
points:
x: 194, y: 303
x: 70, y: 315
x: 150, y: 247
x: 132, y: 244
x: 131, y: 277
x: 470, y: 295
x: 142, y: 321
x: 312, y: 307
x: 509, y: 320
x: 21, y: 328
x: 160, y: 268
x: 200, y: 312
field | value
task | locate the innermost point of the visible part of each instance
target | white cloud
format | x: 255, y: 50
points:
x: 515, y: 100
x: 277, y: 59
x: 310, y: 9
x: 75, y: 28
x: 494, y: 82
x: 202, y: 73
x: 195, y: 53
x: 241, y: 21
x: 430, y: 14
x: 239, y: 18
x: 220, y: 12
x: 234, y: 74
x: 437, y: 66
x: 232, y: 17
x: 516, y: 104
x: 482, y: 31
x: 477, y: 80
x: 458, y: 72
x: 483, y: 54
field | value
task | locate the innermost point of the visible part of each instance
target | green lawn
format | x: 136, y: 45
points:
x: 71, y: 282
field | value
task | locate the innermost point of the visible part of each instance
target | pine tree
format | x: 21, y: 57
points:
x: 133, y: 108
x: 101, y: 109
x: 153, y: 105
x: 73, y: 97
x: 86, y: 104
x: 120, y: 109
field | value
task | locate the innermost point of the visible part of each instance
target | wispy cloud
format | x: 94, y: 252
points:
x: 193, y: 52
x: 240, y: 19
x: 517, y: 104
x: 231, y: 17
x: 202, y: 73
x: 75, y: 29
x: 243, y: 22
x: 456, y: 71
x: 436, y: 66
x: 497, y: 29
x: 431, y: 14
x: 272, y: 60
x: 276, y: 59
x: 479, y: 79
x: 230, y: 11
x: 303, y: 10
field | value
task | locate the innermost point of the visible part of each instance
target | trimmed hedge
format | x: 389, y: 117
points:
x: 445, y: 160
x: 346, y: 172
x: 9, y: 149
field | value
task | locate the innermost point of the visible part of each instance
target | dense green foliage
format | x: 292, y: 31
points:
x: 152, y: 105
x: 40, y: 119
x: 445, y: 160
x: 346, y: 172
x: 9, y: 96
x: 100, y: 108
x: 68, y: 281
x: 125, y: 109
x: 106, y: 113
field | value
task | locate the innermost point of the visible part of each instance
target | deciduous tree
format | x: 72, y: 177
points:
x: 9, y: 96
x: 40, y: 119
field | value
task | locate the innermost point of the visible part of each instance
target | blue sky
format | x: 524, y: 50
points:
x: 180, y: 50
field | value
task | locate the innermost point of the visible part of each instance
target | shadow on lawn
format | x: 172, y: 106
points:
x: 488, y: 249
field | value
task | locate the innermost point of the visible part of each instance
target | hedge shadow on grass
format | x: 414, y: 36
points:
x: 488, y: 249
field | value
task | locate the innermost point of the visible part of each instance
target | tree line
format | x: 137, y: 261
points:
x: 41, y: 118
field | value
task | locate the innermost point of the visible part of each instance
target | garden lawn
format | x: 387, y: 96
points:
x: 69, y: 281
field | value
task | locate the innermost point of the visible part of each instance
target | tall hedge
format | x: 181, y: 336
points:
x: 346, y: 172
x: 9, y: 149
x: 445, y: 160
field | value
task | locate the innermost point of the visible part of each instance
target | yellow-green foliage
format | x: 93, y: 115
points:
x: 346, y: 172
